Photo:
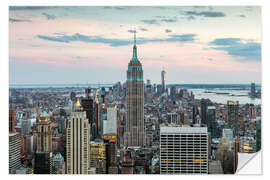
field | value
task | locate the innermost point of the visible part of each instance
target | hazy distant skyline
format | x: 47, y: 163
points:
x: 58, y: 45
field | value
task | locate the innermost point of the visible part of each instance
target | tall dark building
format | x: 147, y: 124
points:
x: 43, y: 163
x: 258, y: 136
x: 87, y: 105
x: 11, y: 124
x: 233, y: 109
x: 163, y: 80
x: 135, y: 135
x: 253, y: 90
x: 195, y: 112
x: 159, y: 89
x: 211, y: 121
x: 204, y: 104
x: 173, y: 92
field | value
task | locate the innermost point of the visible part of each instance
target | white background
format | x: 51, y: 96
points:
x: 4, y: 80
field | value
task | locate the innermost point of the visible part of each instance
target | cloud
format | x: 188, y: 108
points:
x: 115, y: 7
x: 150, y: 21
x: 79, y: 57
x: 49, y: 16
x: 168, y: 30
x: 169, y: 20
x: 225, y: 41
x: 83, y: 38
x: 160, y: 16
x: 249, y: 50
x: 184, y: 38
x: 131, y: 31
x: 191, y: 18
x: 22, y: 8
x: 212, y: 14
x: 242, y: 15
x: 143, y: 29
x: 18, y: 20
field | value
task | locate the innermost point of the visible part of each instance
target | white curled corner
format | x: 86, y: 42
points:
x: 249, y: 163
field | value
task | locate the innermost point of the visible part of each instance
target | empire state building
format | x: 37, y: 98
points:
x: 135, y: 133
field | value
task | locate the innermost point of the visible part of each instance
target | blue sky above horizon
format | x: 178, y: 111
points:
x: 195, y: 44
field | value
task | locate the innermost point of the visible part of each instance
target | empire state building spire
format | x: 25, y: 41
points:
x: 134, y: 57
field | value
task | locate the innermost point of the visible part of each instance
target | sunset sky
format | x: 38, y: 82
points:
x: 199, y: 44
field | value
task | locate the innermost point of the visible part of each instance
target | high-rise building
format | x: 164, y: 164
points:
x: 109, y: 118
x: 135, y: 133
x: 88, y: 107
x: 173, y: 118
x: 258, y: 136
x: 163, y: 80
x: 77, y: 141
x: 174, y: 91
x: 98, y: 157
x: 127, y: 162
x: 159, y: 89
x: 204, y: 104
x: 211, y: 121
x: 29, y: 143
x: 183, y: 150
x: 26, y: 126
x: 43, y: 163
x: 44, y: 133
x: 233, y: 110
x: 252, y: 90
x: 11, y: 123
x: 14, y: 152
x: 58, y: 164
x: 195, y: 113
x: 111, y: 150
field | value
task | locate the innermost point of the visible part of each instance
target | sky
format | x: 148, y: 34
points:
x: 80, y: 44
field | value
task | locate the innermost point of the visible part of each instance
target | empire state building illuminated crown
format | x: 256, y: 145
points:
x: 135, y: 133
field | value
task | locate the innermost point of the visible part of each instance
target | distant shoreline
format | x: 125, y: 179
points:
x: 110, y: 85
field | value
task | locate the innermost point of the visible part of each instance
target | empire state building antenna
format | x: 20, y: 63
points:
x: 135, y: 37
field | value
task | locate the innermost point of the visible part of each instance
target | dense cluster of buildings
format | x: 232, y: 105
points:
x: 129, y: 128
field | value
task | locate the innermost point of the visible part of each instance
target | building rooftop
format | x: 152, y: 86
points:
x: 182, y: 129
x: 44, y: 114
x: 211, y: 107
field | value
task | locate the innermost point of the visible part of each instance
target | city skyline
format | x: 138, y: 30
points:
x: 92, y: 44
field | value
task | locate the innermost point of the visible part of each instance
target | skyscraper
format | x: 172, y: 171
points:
x: 252, y: 90
x: 204, y: 104
x: 11, y: 121
x: 233, y: 108
x: 183, y: 150
x: 78, y: 141
x: 26, y: 126
x: 14, y: 152
x: 44, y: 133
x: 163, y: 79
x: 211, y: 121
x: 43, y: 155
x: 135, y: 135
x: 43, y: 163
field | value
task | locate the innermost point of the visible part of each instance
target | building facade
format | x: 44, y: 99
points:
x: 211, y: 121
x: 77, y: 141
x: 163, y: 80
x: 135, y: 135
x: 44, y: 133
x: 14, y: 152
x: 233, y: 110
x: 183, y: 150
